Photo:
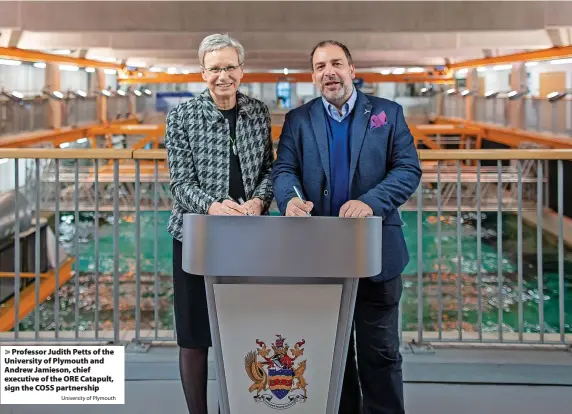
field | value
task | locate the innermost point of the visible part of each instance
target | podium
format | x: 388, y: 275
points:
x: 281, y: 294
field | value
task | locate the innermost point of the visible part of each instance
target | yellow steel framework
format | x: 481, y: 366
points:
x: 35, y: 56
x: 512, y: 137
x: 59, y: 136
x: 534, y: 55
x: 441, y: 77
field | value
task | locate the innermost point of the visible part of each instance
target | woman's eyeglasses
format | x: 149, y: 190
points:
x: 228, y: 69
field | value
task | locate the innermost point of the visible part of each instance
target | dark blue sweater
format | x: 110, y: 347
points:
x: 339, y: 140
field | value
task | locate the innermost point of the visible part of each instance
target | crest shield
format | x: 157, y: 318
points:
x: 280, y: 381
x: 277, y: 374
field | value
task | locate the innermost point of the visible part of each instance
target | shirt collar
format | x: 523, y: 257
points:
x: 346, y: 109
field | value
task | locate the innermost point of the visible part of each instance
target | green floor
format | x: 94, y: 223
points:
x: 161, y: 293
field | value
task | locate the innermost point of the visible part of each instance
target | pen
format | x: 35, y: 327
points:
x: 300, y: 197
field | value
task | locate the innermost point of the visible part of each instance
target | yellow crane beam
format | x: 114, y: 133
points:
x: 14, y: 53
x: 534, y: 55
x: 369, y: 77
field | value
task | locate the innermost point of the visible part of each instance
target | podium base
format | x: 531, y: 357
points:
x: 280, y: 343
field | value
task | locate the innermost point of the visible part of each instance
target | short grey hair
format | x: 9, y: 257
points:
x: 219, y: 41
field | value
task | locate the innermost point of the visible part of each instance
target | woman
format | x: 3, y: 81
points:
x: 219, y: 150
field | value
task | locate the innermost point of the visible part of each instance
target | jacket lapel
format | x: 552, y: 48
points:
x: 318, y: 121
x: 362, y: 113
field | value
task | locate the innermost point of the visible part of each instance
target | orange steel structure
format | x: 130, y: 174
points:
x: 370, y: 77
x: 15, y: 53
x: 534, y: 55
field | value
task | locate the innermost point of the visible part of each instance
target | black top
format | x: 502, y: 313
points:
x: 235, y: 184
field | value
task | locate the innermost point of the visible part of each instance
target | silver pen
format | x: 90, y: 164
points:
x: 299, y: 194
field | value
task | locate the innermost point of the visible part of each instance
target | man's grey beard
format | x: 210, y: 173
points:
x: 340, y: 96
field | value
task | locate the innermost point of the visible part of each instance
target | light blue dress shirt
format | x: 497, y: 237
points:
x: 346, y: 109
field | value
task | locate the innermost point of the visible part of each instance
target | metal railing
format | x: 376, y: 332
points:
x: 482, y: 274
x: 538, y: 114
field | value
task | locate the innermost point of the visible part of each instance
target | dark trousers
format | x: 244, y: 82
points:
x: 375, y: 384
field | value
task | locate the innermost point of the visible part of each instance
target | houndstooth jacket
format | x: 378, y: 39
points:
x: 198, y: 150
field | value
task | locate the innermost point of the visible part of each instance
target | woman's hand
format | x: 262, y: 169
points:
x: 254, y: 206
x: 227, y: 208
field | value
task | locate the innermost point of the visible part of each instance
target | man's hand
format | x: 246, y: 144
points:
x: 226, y: 208
x: 355, y: 208
x: 298, y: 208
x: 254, y: 206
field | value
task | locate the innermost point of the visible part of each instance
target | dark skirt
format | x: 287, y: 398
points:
x: 190, y: 300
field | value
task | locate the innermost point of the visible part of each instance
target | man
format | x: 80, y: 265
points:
x: 352, y: 155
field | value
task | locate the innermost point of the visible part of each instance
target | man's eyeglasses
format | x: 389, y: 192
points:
x: 228, y: 69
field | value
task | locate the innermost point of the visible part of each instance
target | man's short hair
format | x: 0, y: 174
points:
x: 331, y: 42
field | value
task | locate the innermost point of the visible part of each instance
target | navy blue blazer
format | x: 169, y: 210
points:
x: 384, y: 167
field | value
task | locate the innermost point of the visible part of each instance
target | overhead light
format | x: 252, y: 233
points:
x: 147, y: 91
x: 415, y: 70
x: 172, y: 71
x: 137, y: 92
x: 560, y: 61
x: 18, y: 95
x: 185, y: 72
x: 110, y: 71
x: 81, y: 140
x: 399, y: 71
x: 450, y: 91
x: 465, y: 92
x: 502, y: 67
x: 531, y: 64
x: 491, y: 94
x: 121, y: 92
x: 105, y: 92
x: 155, y: 69
x: 40, y: 65
x: 515, y: 94
x: 64, y: 145
x: 90, y: 70
x: 10, y: 62
x: 69, y: 68
x: 385, y: 72
x: 481, y: 69
x: 140, y: 74
x: 81, y: 93
x: 285, y: 71
x: 423, y: 90
x: 462, y: 71
x: 556, y: 96
x: 58, y: 94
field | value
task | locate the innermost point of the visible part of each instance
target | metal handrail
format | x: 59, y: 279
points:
x: 161, y: 154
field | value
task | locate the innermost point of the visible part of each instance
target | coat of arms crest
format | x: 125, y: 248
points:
x: 277, y: 370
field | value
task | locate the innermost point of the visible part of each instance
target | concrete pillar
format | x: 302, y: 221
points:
x: 101, y: 100
x: 52, y: 83
x: 517, y: 83
x: 473, y: 87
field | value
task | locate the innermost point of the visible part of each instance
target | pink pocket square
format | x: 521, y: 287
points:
x: 378, y: 120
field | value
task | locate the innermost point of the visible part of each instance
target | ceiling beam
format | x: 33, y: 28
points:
x: 33, y: 56
x: 369, y: 77
x: 542, y: 54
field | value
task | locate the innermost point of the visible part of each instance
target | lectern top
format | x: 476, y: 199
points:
x: 277, y: 246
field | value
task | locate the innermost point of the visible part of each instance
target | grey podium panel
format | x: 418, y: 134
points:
x: 276, y: 246
x: 261, y: 250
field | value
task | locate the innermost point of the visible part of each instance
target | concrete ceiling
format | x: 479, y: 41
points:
x: 281, y: 34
